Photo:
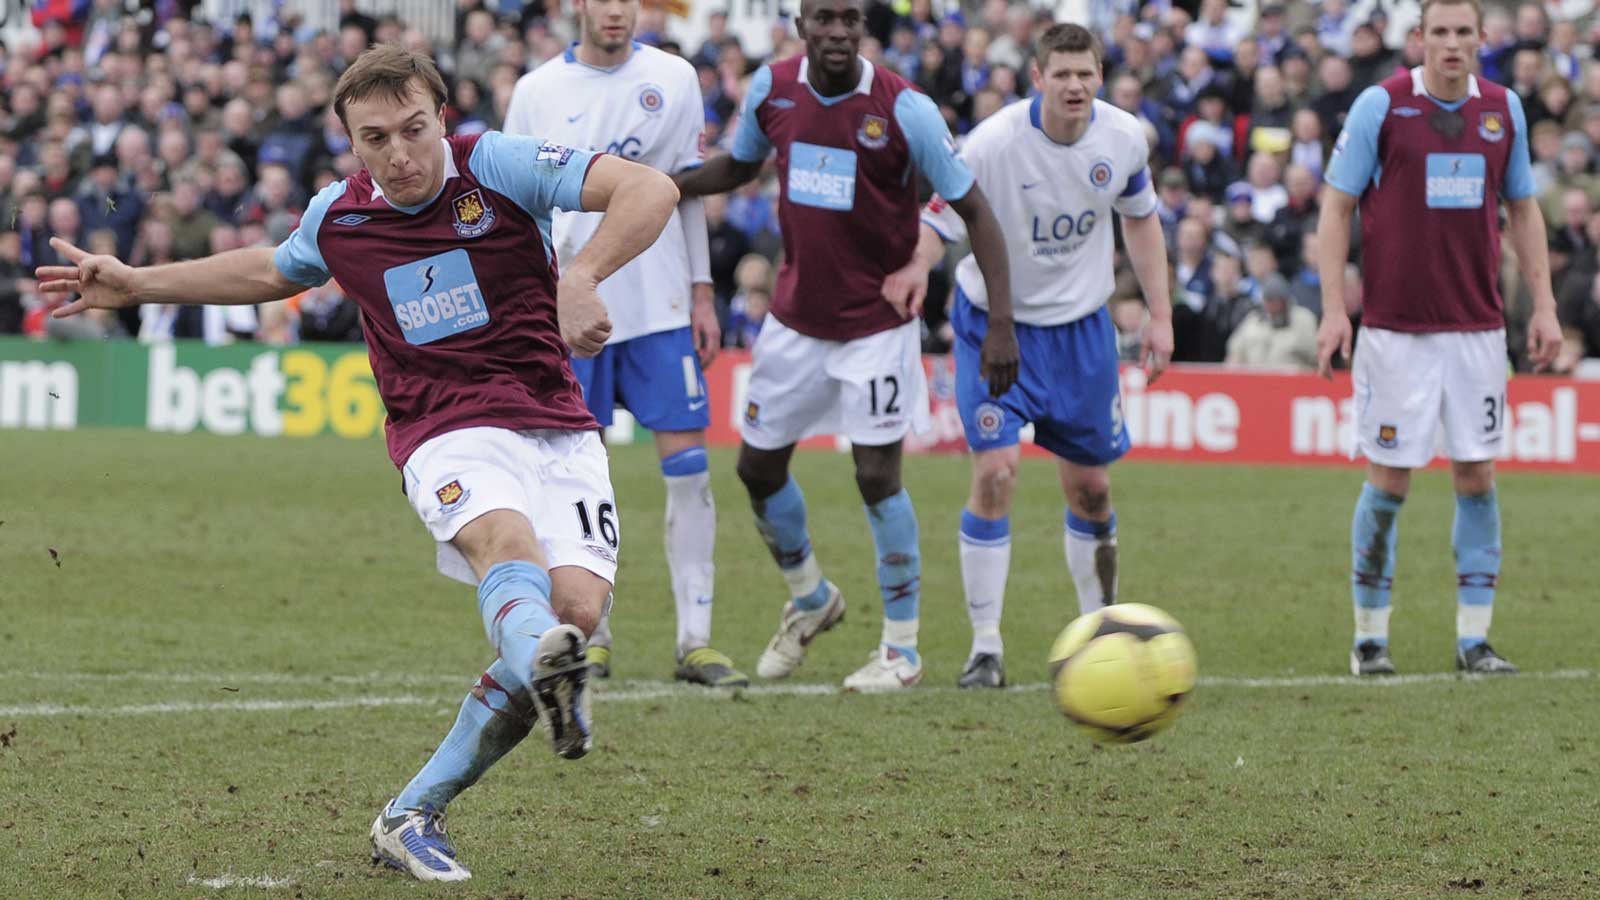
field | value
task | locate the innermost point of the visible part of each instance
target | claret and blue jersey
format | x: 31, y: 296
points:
x: 1430, y: 176
x: 847, y: 189
x: 458, y: 293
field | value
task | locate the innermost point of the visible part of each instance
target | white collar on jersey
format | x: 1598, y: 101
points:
x: 1418, y: 90
x: 450, y: 171
x: 862, y: 87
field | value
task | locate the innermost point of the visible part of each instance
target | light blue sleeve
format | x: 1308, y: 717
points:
x: 1355, y: 154
x: 1519, y: 169
x: 750, y: 143
x: 932, y: 147
x: 539, y: 175
x: 298, y: 257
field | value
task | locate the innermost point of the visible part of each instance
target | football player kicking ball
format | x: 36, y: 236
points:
x: 1428, y: 155
x: 1057, y: 167
x: 438, y: 240
x: 839, y: 353
x: 608, y: 93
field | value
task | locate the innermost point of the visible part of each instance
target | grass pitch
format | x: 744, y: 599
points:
x: 238, y: 650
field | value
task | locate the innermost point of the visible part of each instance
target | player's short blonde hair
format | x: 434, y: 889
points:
x: 387, y: 70
x: 1477, y: 8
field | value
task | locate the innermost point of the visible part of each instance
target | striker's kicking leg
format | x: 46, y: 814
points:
x: 1374, y: 535
x: 1090, y: 542
x: 691, y: 527
x: 985, y: 544
x: 895, y: 663
x: 537, y: 622
x: 815, y: 605
x: 1476, y: 540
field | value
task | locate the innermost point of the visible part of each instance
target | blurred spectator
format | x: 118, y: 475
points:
x: 1013, y: 48
x: 1239, y: 220
x: 192, y: 224
x: 1295, y: 218
x: 1128, y: 315
x: 1279, y: 334
x: 292, y: 141
x: 326, y: 314
x: 1267, y: 193
x: 105, y: 201
x: 727, y: 245
x: 1208, y: 171
x: 748, y: 309
x: 1306, y: 286
x: 17, y: 286
x: 1212, y: 32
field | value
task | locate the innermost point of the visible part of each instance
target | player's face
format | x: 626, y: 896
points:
x: 832, y: 31
x: 399, y: 143
x: 1068, y: 83
x: 608, y: 24
x: 1451, y: 35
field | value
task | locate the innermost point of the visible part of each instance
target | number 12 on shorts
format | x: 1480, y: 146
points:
x: 891, y: 395
x: 604, y: 514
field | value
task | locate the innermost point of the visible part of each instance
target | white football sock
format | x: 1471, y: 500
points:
x: 691, y: 530
x: 1082, y: 549
x: 984, y: 568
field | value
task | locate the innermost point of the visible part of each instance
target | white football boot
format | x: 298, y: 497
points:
x: 796, y: 629
x: 414, y: 840
x: 887, y: 669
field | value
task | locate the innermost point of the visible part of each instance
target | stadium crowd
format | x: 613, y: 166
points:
x: 142, y: 130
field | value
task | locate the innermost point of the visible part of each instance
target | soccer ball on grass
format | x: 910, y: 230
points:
x: 1122, y: 673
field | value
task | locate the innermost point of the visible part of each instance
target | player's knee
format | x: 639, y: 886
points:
x: 578, y: 597
x: 877, y: 483
x: 994, y: 480
x: 760, y: 479
x: 1092, y: 499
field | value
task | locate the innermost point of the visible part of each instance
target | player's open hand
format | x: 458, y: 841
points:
x: 1155, y: 348
x: 1333, y: 335
x: 704, y: 326
x: 584, y: 323
x: 1000, y: 357
x: 906, y: 288
x: 101, y: 282
x: 1544, y: 339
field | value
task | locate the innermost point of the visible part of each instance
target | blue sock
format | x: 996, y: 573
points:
x: 781, y: 519
x: 1476, y: 538
x: 685, y: 462
x: 514, y: 600
x: 494, y: 718
x: 1373, y: 535
x: 894, y: 534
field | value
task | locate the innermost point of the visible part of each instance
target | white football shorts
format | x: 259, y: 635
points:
x: 1407, y: 385
x: 558, y: 479
x: 871, y: 389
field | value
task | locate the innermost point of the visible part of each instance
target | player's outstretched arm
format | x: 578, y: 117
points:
x: 999, y: 354
x: 719, y: 175
x: 104, y: 282
x: 638, y: 202
x: 1533, y: 258
x: 1333, y: 249
x: 1147, y: 249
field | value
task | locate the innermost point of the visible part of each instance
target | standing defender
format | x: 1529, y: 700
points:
x: 839, y: 352
x: 1056, y: 166
x: 610, y: 94
x: 440, y: 241
x: 1429, y: 154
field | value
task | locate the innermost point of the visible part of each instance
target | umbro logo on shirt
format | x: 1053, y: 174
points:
x: 1406, y: 112
x: 351, y: 220
x: 782, y: 103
